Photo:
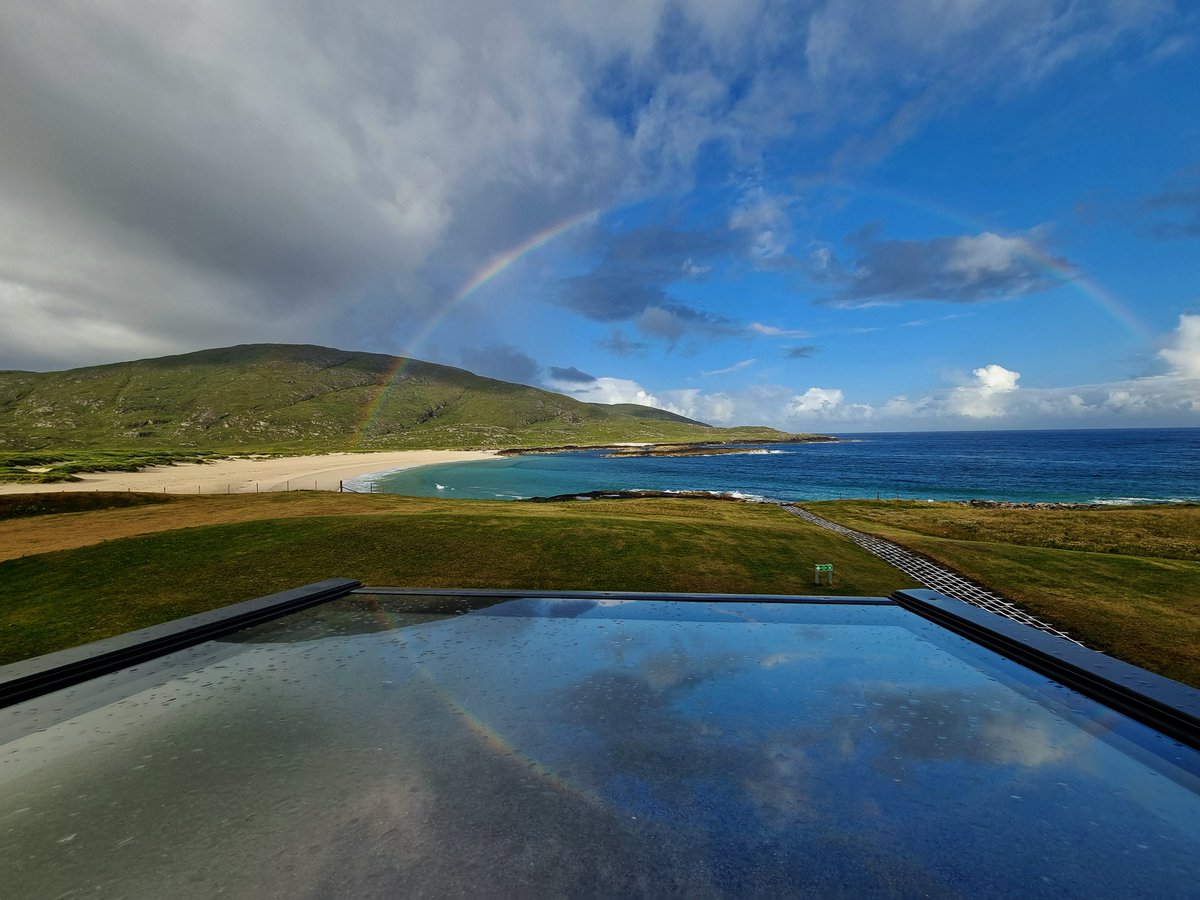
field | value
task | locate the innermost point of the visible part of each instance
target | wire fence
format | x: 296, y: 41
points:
x: 243, y: 487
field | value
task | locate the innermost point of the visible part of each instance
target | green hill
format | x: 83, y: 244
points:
x: 292, y: 398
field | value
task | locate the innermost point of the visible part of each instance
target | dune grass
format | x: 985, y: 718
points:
x: 63, y: 598
x: 52, y: 467
x: 1124, y: 580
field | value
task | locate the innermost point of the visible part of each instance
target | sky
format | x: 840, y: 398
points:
x: 819, y: 216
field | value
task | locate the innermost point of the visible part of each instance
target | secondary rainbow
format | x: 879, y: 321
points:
x: 1089, y: 287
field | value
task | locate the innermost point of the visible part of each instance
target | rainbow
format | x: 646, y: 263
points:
x: 500, y: 263
x: 494, y: 267
x: 1117, y: 310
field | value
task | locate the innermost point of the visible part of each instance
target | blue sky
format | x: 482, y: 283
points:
x: 825, y: 216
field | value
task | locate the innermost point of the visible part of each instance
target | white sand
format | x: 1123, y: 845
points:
x: 237, y: 476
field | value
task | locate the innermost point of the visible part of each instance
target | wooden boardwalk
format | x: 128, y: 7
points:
x: 930, y: 574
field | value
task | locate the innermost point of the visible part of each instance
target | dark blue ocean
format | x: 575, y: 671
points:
x: 1111, y: 467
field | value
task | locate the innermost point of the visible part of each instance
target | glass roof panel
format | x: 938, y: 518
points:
x: 378, y: 744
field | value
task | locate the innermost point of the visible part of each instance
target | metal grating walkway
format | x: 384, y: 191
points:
x: 930, y: 574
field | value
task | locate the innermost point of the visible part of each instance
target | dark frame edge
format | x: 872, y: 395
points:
x: 42, y: 674
x: 823, y: 599
x: 1167, y: 706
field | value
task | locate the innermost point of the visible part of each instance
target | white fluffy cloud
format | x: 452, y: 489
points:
x: 816, y: 400
x: 716, y: 409
x: 1182, y: 353
x: 988, y: 396
x: 609, y: 390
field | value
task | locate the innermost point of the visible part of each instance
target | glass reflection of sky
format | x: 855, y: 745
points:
x: 577, y: 746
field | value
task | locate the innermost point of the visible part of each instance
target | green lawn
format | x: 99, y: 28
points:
x: 60, y: 599
x: 1124, y: 580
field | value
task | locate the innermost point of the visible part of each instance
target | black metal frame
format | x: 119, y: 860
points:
x: 627, y: 595
x: 1165, y: 705
x: 43, y: 674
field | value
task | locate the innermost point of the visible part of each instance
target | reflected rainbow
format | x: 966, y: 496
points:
x: 486, y: 734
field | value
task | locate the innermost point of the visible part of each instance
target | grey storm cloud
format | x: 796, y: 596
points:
x: 611, y: 296
x: 178, y: 174
x: 571, y: 375
x: 960, y: 269
x: 1181, y: 204
x: 502, y: 361
x: 619, y: 345
x: 671, y: 321
x: 632, y: 280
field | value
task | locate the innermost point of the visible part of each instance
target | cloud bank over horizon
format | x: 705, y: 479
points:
x: 722, y: 207
x: 991, y: 392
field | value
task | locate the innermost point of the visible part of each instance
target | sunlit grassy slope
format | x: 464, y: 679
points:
x: 1124, y: 580
x: 196, y: 553
x: 303, y: 398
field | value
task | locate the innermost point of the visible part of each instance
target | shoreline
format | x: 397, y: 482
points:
x: 243, y: 475
x: 675, y: 448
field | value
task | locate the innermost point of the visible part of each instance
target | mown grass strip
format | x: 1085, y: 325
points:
x: 1141, y: 604
x: 56, y: 600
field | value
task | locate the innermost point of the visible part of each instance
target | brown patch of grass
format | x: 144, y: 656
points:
x: 152, y: 513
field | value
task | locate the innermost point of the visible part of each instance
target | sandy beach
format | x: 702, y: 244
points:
x: 323, y: 472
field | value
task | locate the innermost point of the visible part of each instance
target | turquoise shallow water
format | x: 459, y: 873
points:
x: 1110, y: 466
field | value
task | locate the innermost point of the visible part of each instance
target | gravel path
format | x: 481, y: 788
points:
x: 930, y: 574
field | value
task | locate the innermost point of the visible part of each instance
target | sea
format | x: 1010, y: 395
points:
x: 1124, y: 467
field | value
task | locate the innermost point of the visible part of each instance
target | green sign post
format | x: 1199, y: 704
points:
x: 823, y: 570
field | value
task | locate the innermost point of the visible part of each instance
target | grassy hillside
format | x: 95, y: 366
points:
x: 305, y: 398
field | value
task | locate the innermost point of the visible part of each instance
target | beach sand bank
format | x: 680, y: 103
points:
x: 323, y: 472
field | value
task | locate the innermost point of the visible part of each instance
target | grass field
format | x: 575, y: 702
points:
x: 92, y: 573
x: 1124, y: 580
